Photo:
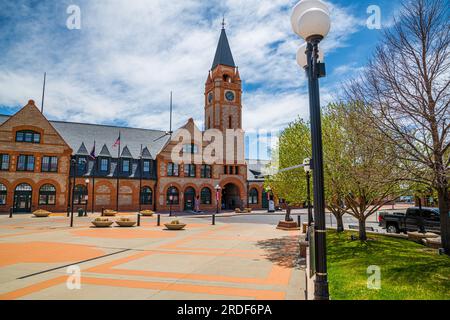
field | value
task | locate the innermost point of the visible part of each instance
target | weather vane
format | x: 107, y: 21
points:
x: 223, y: 22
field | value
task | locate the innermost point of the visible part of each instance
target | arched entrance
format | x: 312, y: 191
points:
x: 22, y: 198
x: 230, y: 197
x: 189, y: 199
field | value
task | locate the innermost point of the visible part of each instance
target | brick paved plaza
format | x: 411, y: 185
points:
x: 225, y: 261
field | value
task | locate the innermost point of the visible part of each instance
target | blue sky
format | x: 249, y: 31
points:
x: 120, y: 67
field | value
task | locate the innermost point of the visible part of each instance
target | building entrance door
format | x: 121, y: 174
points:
x: 231, y: 197
x: 189, y: 198
x: 22, y: 198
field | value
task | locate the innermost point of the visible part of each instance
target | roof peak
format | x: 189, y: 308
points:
x: 223, y: 54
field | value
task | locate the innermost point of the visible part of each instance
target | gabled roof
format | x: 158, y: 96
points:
x: 126, y: 153
x: 104, y: 152
x: 146, y: 154
x: 82, y: 151
x: 223, y: 53
x: 74, y: 134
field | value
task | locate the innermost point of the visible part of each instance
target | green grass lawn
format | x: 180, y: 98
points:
x: 408, y: 270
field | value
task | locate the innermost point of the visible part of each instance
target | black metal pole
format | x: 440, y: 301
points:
x: 138, y: 219
x: 94, y: 171
x: 159, y: 220
x: 74, y: 162
x: 308, y: 198
x: 118, y: 176
x: 11, y: 212
x: 140, y: 180
x: 87, y: 199
x: 213, y: 219
x: 321, y: 282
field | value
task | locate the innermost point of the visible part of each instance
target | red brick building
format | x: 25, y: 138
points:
x: 38, y: 159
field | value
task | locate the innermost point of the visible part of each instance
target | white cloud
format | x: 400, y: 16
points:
x: 128, y: 56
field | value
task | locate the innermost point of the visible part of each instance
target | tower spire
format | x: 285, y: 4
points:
x: 223, y: 53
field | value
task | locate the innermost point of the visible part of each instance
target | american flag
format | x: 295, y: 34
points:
x: 117, y: 143
x: 92, y: 154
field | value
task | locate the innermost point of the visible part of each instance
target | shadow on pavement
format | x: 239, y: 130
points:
x: 283, y: 251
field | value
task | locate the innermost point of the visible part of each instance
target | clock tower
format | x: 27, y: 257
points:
x: 223, y: 90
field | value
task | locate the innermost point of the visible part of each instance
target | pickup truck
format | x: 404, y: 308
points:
x: 415, y: 219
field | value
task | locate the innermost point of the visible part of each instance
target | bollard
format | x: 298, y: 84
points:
x: 213, y: 219
x: 68, y: 211
x: 139, y: 220
x: 159, y: 220
x: 103, y: 211
x: 299, y: 220
x: 11, y: 212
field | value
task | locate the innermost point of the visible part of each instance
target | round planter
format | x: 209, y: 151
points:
x: 126, y: 224
x: 109, y: 213
x: 102, y: 224
x: 41, y: 215
x: 147, y: 213
x: 175, y: 226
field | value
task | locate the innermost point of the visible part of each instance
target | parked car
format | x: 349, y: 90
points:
x: 415, y: 219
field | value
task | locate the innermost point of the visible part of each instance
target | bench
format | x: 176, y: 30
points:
x: 354, y: 227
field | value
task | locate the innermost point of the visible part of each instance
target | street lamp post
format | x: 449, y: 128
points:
x: 307, y: 168
x: 87, y: 197
x: 311, y: 21
x: 74, y: 167
x: 170, y: 202
x: 268, y: 190
x: 218, y: 188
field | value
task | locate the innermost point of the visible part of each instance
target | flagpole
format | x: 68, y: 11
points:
x: 94, y: 171
x: 117, y: 174
x: 140, y: 181
x: 43, y: 93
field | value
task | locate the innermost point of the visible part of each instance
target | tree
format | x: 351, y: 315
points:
x: 370, y: 178
x: 293, y: 147
x: 405, y: 94
x: 335, y: 157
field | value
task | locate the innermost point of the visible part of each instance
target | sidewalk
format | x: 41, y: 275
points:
x: 225, y: 261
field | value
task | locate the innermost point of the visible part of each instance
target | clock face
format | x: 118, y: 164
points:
x: 229, y: 95
x: 210, y: 97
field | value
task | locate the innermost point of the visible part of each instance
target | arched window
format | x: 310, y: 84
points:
x: 173, y: 196
x: 28, y: 136
x: 206, y: 196
x: 80, y: 194
x: 230, y: 122
x: 47, y: 195
x: 146, y: 195
x: 24, y: 187
x: 226, y: 78
x: 253, y: 196
x: 3, y: 193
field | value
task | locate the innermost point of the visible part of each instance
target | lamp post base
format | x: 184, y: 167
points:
x: 321, y: 290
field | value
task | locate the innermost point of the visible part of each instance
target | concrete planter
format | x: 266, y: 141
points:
x: 170, y: 226
x: 126, y: 224
x: 147, y: 213
x: 102, y: 224
x: 109, y: 213
x: 41, y: 214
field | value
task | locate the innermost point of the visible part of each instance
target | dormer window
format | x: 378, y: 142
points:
x: 82, y: 165
x: 126, y: 166
x: 146, y: 166
x: 28, y: 136
x: 104, y: 164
